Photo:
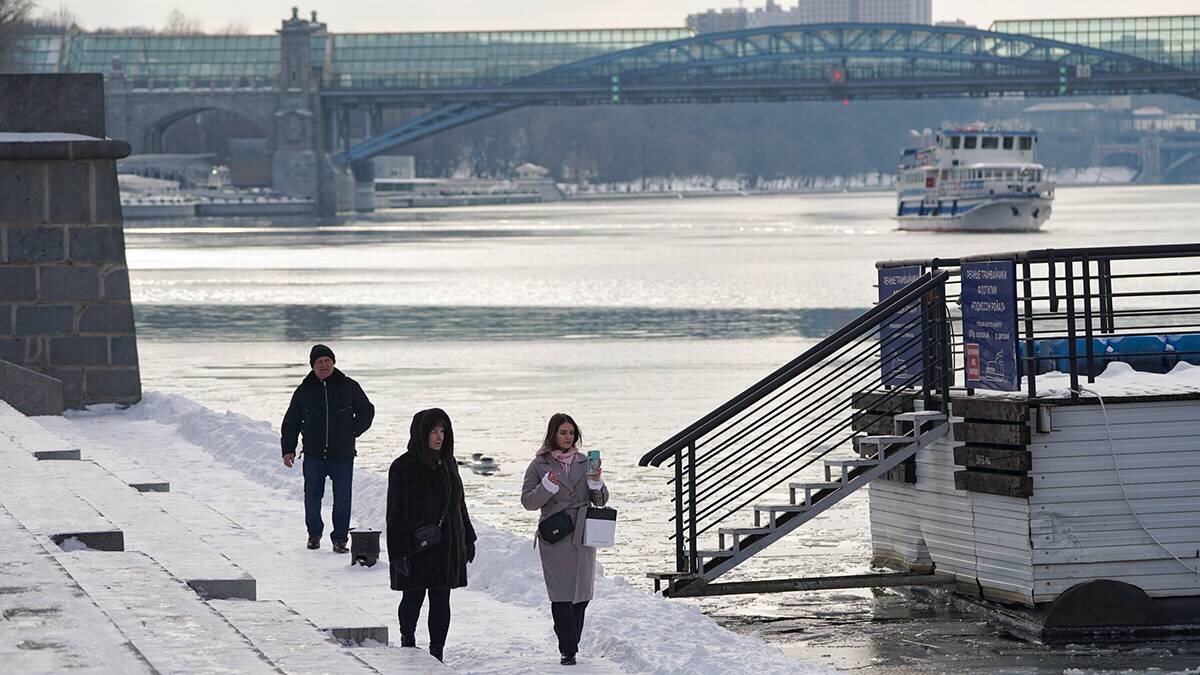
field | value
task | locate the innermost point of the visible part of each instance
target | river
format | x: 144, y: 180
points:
x: 635, y: 317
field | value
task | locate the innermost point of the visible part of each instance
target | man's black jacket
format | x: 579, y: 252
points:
x: 330, y: 414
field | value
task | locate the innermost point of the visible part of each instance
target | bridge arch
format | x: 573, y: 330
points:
x: 157, y: 126
x: 790, y: 63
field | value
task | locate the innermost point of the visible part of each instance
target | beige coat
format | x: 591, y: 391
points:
x: 568, y: 566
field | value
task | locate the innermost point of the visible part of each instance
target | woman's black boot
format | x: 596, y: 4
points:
x: 567, y: 660
x: 408, y: 640
x: 436, y: 651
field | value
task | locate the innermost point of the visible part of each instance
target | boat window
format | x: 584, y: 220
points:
x: 1026, y: 142
x: 969, y: 142
x: 1008, y: 142
x: 990, y: 143
x: 955, y: 141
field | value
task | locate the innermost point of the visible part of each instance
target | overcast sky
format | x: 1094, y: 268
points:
x: 263, y: 16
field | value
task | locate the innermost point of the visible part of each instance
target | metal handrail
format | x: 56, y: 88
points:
x: 871, y: 319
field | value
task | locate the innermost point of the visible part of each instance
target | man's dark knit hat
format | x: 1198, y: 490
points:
x: 317, y: 352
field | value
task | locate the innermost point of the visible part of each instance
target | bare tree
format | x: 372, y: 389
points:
x: 13, y: 14
x: 235, y: 27
x: 179, y: 23
x: 61, y: 19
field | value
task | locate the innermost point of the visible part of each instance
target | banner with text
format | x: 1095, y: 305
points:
x: 989, y: 308
x: 900, y: 336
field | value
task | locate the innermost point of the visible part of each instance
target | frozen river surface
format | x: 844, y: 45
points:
x: 635, y: 317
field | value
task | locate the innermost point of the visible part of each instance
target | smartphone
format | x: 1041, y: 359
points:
x: 593, y: 459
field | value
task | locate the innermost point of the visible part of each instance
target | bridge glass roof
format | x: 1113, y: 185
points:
x: 429, y: 60
x: 194, y: 61
x: 1173, y: 40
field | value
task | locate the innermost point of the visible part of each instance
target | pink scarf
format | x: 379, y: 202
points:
x: 564, y: 458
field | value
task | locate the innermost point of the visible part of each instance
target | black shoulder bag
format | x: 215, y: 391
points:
x: 557, y: 527
x: 426, y: 537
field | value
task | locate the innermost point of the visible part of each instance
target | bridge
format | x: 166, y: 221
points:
x: 319, y: 96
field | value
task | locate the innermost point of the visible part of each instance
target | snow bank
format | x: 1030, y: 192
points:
x: 1118, y: 379
x: 637, y: 630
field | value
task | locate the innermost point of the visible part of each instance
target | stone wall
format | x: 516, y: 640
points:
x: 65, y: 308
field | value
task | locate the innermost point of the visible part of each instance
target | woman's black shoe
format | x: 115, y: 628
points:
x: 567, y: 660
x: 409, y: 640
x: 436, y: 651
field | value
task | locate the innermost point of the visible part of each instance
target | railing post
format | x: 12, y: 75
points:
x: 1087, y: 318
x: 1027, y: 284
x: 1106, y: 296
x: 693, y: 561
x: 680, y: 559
x: 928, y: 361
x: 945, y: 337
x: 1072, y: 353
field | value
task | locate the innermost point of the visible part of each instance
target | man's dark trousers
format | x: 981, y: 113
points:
x: 341, y: 472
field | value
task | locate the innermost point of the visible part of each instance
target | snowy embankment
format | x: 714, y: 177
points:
x: 634, y: 630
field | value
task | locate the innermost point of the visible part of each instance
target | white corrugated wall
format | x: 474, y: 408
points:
x: 979, y: 538
x: 1083, y: 528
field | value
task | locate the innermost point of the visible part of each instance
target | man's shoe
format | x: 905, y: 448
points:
x: 567, y: 660
x: 314, y: 543
x: 340, y: 547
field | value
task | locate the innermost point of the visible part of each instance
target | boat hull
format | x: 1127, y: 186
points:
x: 1005, y: 215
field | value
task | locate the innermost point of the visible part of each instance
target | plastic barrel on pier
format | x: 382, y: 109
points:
x: 1144, y: 353
x: 1183, y: 347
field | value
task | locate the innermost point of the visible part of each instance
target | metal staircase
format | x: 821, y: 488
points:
x: 728, y: 463
x: 878, y: 455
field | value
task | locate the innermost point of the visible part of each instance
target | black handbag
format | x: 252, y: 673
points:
x: 427, y: 537
x: 556, y: 527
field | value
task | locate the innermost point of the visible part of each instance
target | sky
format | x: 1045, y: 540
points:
x: 346, y: 16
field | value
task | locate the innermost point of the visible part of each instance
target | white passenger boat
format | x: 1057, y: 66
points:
x: 973, y: 179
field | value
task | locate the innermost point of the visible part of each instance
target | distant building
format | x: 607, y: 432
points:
x: 814, y: 11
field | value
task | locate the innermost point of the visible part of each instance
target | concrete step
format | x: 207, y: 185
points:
x: 130, y: 472
x: 42, y: 504
x: 278, y: 579
x: 290, y: 641
x: 402, y: 659
x: 49, y: 624
x: 172, y: 627
x: 151, y: 530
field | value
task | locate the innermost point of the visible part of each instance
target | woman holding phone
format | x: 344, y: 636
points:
x: 560, y: 482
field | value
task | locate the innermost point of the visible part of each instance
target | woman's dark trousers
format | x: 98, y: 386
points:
x: 568, y: 625
x: 439, y: 615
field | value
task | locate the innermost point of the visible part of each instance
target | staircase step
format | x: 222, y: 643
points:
x: 151, y: 530
x: 291, y: 642
x: 814, y: 486
x: 168, y: 624
x: 883, y: 440
x: 722, y: 553
x: 744, y: 531
x: 49, y: 623
x: 846, y: 465
x: 920, y: 416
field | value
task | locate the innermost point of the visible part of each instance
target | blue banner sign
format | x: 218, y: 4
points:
x: 900, y: 336
x: 989, y: 308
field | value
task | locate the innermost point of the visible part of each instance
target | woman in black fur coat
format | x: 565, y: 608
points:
x: 424, y: 488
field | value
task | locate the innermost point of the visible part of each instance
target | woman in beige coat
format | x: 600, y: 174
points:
x: 558, y: 480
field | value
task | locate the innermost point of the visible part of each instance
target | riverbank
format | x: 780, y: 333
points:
x: 229, y: 493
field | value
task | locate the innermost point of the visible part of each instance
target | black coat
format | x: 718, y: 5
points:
x: 420, y: 485
x: 330, y: 414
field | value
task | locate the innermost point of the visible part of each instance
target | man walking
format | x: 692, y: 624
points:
x: 330, y: 410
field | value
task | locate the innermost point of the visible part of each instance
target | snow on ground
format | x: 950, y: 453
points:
x: 1118, y: 379
x: 501, y: 621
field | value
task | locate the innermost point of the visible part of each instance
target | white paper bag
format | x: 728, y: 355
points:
x: 600, y: 527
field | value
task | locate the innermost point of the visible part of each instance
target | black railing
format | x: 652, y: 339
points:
x: 804, y: 410
x: 1080, y: 309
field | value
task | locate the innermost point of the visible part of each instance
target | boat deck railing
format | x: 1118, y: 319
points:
x: 1079, y: 309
